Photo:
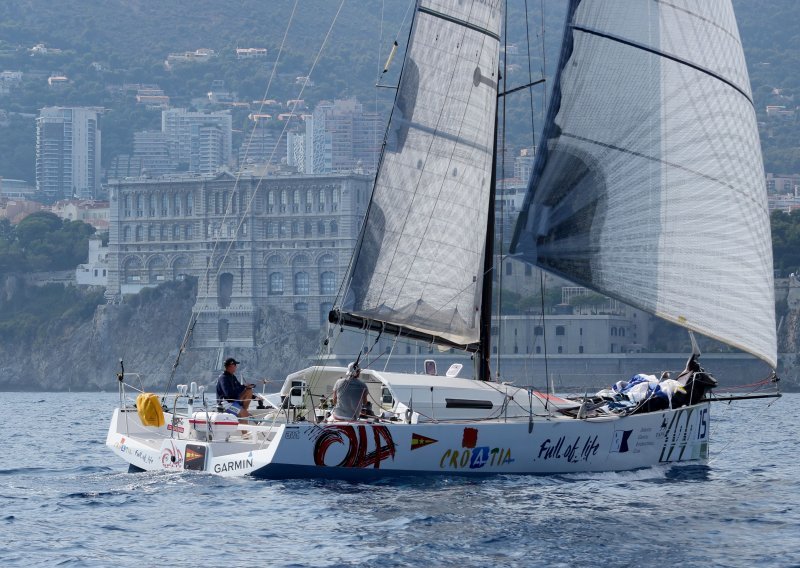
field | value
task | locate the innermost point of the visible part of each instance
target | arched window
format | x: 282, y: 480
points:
x: 138, y: 232
x: 189, y: 204
x: 295, y: 228
x: 177, y: 210
x: 613, y: 331
x: 176, y: 234
x: 151, y: 232
x: 622, y: 332
x: 334, y: 228
x: 321, y: 228
x: 307, y: 229
x: 560, y: 330
x: 270, y: 201
x: 164, y: 204
x: 276, y: 283
x: 538, y: 330
x: 301, y: 287
x: 126, y: 234
x: 327, y: 283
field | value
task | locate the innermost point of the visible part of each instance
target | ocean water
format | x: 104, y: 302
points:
x: 67, y: 501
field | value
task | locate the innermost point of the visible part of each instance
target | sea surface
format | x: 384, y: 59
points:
x: 65, y: 500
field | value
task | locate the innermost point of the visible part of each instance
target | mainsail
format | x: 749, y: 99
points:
x: 419, y: 263
x: 649, y: 185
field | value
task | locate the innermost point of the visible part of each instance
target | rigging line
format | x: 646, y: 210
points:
x: 283, y: 132
x: 530, y: 76
x: 218, y: 236
x: 500, y: 257
x: 665, y: 55
x: 544, y: 341
x: 544, y: 54
x: 228, y: 207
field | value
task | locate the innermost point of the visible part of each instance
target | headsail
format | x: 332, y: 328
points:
x: 419, y: 262
x: 649, y: 186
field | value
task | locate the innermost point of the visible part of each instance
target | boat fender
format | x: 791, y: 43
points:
x: 149, y: 409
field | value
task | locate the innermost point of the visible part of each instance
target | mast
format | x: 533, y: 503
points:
x: 485, y: 342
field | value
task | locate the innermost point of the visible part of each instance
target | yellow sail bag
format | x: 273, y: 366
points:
x: 149, y: 409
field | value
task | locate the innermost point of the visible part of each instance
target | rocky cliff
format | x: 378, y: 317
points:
x: 81, y: 349
x: 145, y: 332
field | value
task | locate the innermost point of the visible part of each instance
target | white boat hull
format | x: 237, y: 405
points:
x: 368, y: 450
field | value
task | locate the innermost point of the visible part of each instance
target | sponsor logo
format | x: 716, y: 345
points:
x: 362, y: 450
x: 472, y: 456
x: 233, y: 465
x: 620, y: 442
x: 571, y: 452
x: 171, y: 458
x: 195, y: 457
x: 419, y: 441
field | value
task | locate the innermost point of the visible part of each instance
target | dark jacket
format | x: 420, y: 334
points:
x: 228, y: 387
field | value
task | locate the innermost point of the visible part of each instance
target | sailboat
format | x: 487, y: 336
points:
x: 648, y: 188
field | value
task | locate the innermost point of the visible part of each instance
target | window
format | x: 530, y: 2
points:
x: 276, y: 283
x: 301, y: 307
x: 560, y: 330
x: 321, y: 228
x: 509, y: 269
x: 528, y: 270
x: 301, y: 283
x: 334, y: 228
x: 538, y: 330
x: 538, y: 349
x: 580, y: 349
x: 327, y: 283
x: 307, y: 229
x: 560, y: 349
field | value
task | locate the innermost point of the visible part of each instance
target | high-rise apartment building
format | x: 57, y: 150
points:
x: 153, y: 148
x: 199, y: 141
x: 67, y: 153
x: 339, y: 137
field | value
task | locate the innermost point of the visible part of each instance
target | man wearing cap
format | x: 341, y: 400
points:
x: 234, y: 396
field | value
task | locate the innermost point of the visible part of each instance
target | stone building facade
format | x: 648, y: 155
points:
x: 251, y: 243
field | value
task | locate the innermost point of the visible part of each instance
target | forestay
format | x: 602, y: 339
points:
x: 420, y: 259
x: 649, y: 186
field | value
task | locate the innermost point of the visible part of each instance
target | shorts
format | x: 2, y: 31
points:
x: 232, y: 408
